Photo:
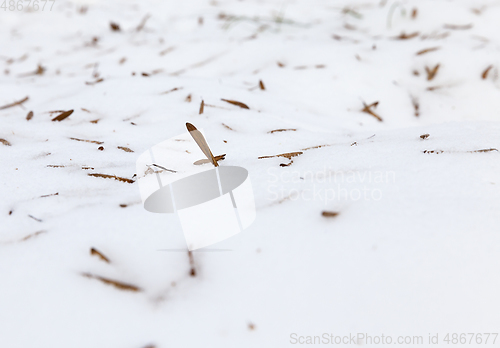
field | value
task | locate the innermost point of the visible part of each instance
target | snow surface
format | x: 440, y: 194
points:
x: 418, y: 255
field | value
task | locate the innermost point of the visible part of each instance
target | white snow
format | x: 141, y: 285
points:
x: 416, y: 253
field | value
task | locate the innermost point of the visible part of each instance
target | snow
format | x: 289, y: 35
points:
x: 416, y: 253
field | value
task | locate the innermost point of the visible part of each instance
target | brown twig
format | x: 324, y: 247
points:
x: 107, y: 176
x: 19, y: 102
x: 368, y: 109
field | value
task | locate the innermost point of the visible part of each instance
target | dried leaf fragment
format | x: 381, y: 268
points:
x: 484, y: 75
x: 202, y: 107
x: 97, y: 253
x: 116, y: 284
x: 114, y: 26
x: 261, y: 85
x: 5, y: 142
x: 29, y: 116
x: 329, y: 213
x: 62, y: 116
x: 424, y: 136
x: 126, y: 149
x: 237, y: 103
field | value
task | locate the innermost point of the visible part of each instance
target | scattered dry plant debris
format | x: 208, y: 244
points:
x: 55, y: 166
x: 5, y: 142
x: 114, y: 26
x: 261, y: 85
x: 86, y: 110
x: 107, y: 176
x: 95, y: 121
x: 281, y: 65
x: 427, y: 50
x: 484, y: 75
x: 404, y: 36
x: 19, y: 102
x: 100, y: 148
x: 39, y: 71
x: 91, y: 83
x: 142, y: 23
x: 202, y: 107
x: 172, y: 90
x: 87, y: 168
x: 316, y: 147
x: 458, y: 27
x: 32, y: 235
x: 163, y: 168
x: 167, y: 50
x: 237, y: 103
x: 188, y: 98
x: 225, y: 125
x: 288, y: 155
x: 484, y: 150
x: 416, y: 105
x: 88, y: 141
x: 126, y: 149
x: 34, y: 218
x: 424, y: 136
x: 368, y: 109
x: 62, y: 116
x: 433, y: 88
x: 52, y: 194
x: 192, y: 271
x: 116, y: 284
x: 431, y: 73
x: 97, y: 253
x: 282, y: 130
x: 414, y: 13
x: 329, y: 213
x: 251, y: 326
x: 205, y: 160
x: 473, y: 151
x: 29, y: 116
